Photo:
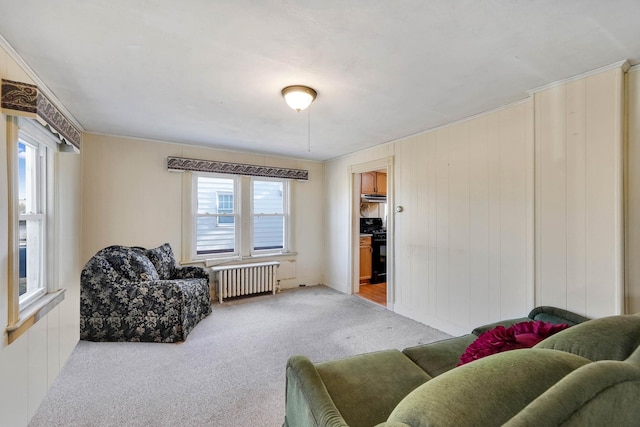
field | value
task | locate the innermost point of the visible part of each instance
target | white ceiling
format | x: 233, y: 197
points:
x: 209, y: 73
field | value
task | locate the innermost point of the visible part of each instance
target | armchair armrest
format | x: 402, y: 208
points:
x: 190, y: 272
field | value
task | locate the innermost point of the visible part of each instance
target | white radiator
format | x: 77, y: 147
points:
x: 246, y: 279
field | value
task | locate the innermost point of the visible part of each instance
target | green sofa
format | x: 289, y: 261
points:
x: 588, y: 374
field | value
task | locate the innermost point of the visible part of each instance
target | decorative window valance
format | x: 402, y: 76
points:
x: 195, y: 165
x: 24, y: 99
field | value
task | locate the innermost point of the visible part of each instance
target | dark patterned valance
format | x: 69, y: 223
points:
x: 24, y: 99
x: 180, y: 163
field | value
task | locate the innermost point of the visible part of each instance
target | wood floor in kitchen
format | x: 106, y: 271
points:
x: 376, y: 293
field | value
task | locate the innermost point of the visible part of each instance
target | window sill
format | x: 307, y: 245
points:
x: 210, y: 262
x: 34, y: 312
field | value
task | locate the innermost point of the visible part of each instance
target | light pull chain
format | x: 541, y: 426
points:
x: 309, y: 129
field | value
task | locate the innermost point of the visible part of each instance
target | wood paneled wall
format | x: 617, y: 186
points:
x: 29, y: 364
x: 579, y: 194
x: 516, y: 208
x: 464, y: 241
x: 632, y: 194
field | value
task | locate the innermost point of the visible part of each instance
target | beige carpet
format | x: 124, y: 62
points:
x: 231, y: 369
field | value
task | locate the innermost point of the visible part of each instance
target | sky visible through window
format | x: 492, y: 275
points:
x: 22, y: 155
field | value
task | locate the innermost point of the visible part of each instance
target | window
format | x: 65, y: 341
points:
x: 239, y: 216
x: 32, y: 215
x: 225, y: 206
x: 32, y: 289
x: 268, y: 215
x: 216, y: 217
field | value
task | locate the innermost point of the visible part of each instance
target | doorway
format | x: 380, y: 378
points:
x: 372, y: 226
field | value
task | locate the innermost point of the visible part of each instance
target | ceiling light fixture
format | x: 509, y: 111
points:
x: 299, y: 97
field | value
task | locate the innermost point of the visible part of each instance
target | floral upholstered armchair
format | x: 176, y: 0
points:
x: 137, y: 294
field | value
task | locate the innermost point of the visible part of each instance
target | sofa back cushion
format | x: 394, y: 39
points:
x: 486, y: 392
x: 130, y: 263
x: 607, y: 338
x: 499, y: 339
x: 163, y: 260
x: 547, y: 314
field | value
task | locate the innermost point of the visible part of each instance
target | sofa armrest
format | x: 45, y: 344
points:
x: 506, y: 323
x: 441, y: 356
x: 307, y: 400
x: 556, y: 315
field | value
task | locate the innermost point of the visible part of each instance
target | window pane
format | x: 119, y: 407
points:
x: 27, y: 178
x: 268, y: 232
x: 215, y: 231
x: 225, y: 206
x: 31, y: 233
x: 212, y: 191
x: 30, y: 257
x: 211, y: 237
x: 22, y: 236
x: 268, y: 197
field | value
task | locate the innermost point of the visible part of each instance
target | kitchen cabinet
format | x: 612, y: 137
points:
x: 366, y: 258
x: 373, y: 183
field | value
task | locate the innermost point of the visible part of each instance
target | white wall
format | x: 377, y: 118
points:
x: 483, y: 236
x: 632, y: 195
x: 130, y: 198
x: 579, y: 194
x: 29, y: 365
x: 337, y: 211
x: 463, y: 243
x: 464, y: 239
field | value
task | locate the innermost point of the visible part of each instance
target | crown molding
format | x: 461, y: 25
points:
x: 624, y: 65
x: 38, y: 82
x: 634, y: 68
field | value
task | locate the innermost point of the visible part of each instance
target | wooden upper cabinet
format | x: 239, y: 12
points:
x: 373, y: 183
x: 381, y: 183
x: 368, y: 184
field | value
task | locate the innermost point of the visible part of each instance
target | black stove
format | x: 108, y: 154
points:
x: 371, y: 226
x: 379, y: 235
x: 374, y: 227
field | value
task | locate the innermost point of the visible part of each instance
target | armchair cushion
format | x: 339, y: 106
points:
x: 130, y: 263
x: 163, y: 260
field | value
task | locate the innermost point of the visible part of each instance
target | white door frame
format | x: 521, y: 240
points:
x: 354, y: 224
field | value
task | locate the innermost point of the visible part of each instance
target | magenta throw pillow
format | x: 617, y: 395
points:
x: 520, y: 335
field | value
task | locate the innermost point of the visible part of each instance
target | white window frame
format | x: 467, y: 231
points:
x: 194, y: 218
x: 284, y: 215
x: 44, y: 162
x: 243, y: 202
x: 23, y: 312
x: 225, y: 193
